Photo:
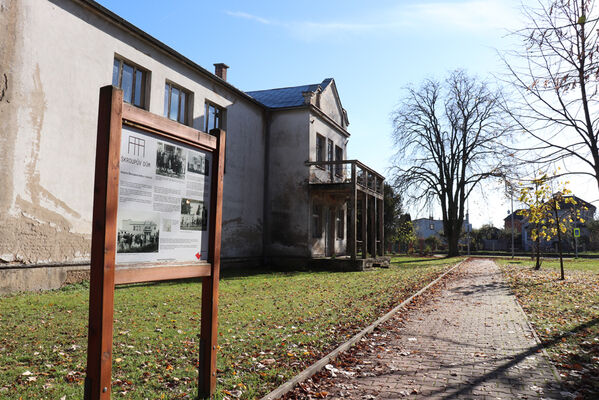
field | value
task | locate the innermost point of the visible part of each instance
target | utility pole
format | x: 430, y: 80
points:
x: 512, y: 200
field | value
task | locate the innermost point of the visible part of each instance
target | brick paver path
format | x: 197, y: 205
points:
x: 471, y: 340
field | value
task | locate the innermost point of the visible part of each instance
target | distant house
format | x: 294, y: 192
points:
x: 518, y: 219
x: 587, y: 213
x: 427, y: 227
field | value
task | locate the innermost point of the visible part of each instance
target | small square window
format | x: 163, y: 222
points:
x: 132, y: 80
x: 176, y: 103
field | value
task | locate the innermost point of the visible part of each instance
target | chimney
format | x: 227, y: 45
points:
x: 220, y: 70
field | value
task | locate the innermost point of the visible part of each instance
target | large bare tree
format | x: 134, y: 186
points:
x: 448, y: 137
x: 555, y: 76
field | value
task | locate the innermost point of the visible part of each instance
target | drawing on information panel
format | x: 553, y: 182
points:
x: 138, y: 232
x: 193, y: 215
x: 170, y: 160
x: 197, y: 164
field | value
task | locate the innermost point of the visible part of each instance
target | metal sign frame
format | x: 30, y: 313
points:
x: 112, y: 115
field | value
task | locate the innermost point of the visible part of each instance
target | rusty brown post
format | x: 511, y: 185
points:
x: 209, y: 328
x: 101, y: 294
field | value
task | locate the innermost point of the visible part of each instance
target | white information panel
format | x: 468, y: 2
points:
x: 164, y: 200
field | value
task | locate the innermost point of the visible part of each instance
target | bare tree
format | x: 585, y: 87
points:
x: 555, y: 76
x: 448, y: 139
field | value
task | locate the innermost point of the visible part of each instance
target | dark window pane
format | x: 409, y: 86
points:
x: 138, y: 87
x: 174, y: 104
x: 127, y: 82
x: 115, y: 73
x: 166, y: 94
x: 183, y: 110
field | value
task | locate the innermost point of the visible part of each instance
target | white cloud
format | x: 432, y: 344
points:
x: 475, y: 16
x: 244, y: 15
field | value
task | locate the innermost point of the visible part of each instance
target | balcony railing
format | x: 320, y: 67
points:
x: 346, y: 171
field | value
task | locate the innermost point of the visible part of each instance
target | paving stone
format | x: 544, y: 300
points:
x: 471, y: 342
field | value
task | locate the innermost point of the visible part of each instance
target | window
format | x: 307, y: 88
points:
x: 176, y: 103
x: 330, y: 154
x: 319, y: 148
x: 338, y: 157
x: 213, y: 117
x: 316, y: 221
x: 340, y: 223
x: 132, y: 80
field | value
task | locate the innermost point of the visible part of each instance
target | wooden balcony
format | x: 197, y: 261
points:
x: 345, y: 176
x: 361, y: 188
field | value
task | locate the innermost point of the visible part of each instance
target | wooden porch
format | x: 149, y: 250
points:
x: 362, y: 190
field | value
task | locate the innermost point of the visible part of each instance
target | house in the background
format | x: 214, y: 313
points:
x: 567, y: 210
x: 518, y: 219
x: 290, y: 195
x: 425, y: 228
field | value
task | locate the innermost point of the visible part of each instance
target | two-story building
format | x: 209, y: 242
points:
x: 290, y: 195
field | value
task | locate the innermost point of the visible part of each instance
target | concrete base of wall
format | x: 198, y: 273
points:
x: 40, y: 277
x: 23, y: 278
x: 28, y: 278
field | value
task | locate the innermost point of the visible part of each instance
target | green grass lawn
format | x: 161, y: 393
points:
x: 271, y: 326
x: 565, y: 314
x: 552, y: 264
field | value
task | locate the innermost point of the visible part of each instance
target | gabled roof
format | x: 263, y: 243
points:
x: 288, y: 96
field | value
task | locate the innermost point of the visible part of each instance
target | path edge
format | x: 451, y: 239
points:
x: 534, y: 332
x: 320, y: 364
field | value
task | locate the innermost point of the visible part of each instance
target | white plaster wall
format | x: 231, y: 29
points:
x: 288, y: 194
x: 330, y: 132
x: 67, y: 55
x: 330, y: 105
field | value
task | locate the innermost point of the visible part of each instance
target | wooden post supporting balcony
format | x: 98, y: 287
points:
x: 353, y: 216
x: 364, y: 224
x: 381, y: 226
x: 372, y: 226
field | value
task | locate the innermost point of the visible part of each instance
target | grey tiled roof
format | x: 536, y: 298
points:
x: 286, y: 97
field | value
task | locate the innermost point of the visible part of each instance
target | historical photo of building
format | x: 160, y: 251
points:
x: 170, y: 160
x: 138, y: 232
x: 193, y: 215
x: 197, y: 163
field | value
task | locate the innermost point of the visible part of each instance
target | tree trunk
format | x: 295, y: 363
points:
x: 559, y: 244
x: 538, y: 253
x: 452, y: 244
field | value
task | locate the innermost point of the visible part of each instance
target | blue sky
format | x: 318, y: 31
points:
x: 372, y: 50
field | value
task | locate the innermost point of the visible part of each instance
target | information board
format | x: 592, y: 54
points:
x: 157, y: 215
x: 164, y: 200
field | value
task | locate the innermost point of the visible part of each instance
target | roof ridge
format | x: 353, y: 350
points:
x: 281, y: 88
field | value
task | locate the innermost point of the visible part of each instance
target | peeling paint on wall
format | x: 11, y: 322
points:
x: 39, y: 233
x: 9, y: 32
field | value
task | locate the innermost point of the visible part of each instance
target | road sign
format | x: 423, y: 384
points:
x: 576, y: 232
